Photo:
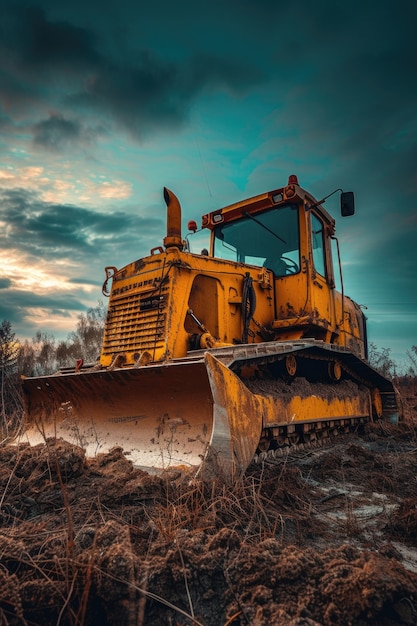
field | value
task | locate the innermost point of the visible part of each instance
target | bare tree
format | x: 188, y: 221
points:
x: 27, y: 359
x: 382, y: 361
x: 412, y: 356
x: 45, y: 353
x: 86, y: 340
x: 10, y: 393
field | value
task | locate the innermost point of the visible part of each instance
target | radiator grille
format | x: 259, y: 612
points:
x: 135, y: 323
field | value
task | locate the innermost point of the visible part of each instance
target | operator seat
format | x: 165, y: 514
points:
x: 276, y: 265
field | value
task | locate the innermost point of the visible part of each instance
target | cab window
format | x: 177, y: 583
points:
x: 269, y: 239
x: 318, y: 245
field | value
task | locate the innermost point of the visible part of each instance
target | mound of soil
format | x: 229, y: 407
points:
x: 325, y: 536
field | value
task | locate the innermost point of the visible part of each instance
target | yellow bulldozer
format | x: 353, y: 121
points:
x: 212, y: 360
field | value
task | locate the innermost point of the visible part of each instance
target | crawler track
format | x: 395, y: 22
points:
x: 295, y: 451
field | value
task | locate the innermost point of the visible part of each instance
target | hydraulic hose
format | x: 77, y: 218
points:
x: 248, y: 305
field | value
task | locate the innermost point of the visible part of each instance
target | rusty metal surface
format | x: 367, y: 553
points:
x: 161, y: 416
x: 237, y: 417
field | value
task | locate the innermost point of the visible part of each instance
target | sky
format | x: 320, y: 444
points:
x: 102, y: 104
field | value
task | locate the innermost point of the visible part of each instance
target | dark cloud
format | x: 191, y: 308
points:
x: 151, y: 94
x: 46, y: 231
x: 15, y: 306
x: 38, y: 58
x: 5, y: 122
x: 5, y: 283
x: 58, y: 133
x: 83, y: 280
x: 352, y: 102
x: 21, y: 300
x: 32, y: 42
x: 55, y: 62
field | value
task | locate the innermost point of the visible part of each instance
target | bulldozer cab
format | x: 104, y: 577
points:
x: 290, y: 233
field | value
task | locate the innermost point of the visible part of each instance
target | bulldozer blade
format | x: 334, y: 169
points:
x: 194, y: 415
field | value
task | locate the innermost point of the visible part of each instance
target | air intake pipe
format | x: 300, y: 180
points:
x: 173, y: 238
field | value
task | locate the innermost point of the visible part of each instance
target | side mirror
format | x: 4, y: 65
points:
x: 347, y: 203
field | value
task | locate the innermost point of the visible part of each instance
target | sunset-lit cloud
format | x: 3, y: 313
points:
x: 52, y: 190
x: 112, y: 190
x: 28, y: 275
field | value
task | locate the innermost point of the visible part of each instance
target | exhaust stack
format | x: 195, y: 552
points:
x: 173, y: 237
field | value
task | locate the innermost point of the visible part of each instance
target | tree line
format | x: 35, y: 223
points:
x: 43, y: 355
x: 381, y: 360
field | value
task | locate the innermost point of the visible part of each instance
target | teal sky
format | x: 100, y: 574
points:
x: 102, y: 106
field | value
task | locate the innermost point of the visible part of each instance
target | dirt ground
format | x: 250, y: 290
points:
x: 325, y: 536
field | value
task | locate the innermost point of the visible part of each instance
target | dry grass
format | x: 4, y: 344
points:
x: 59, y: 558
x: 93, y: 542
